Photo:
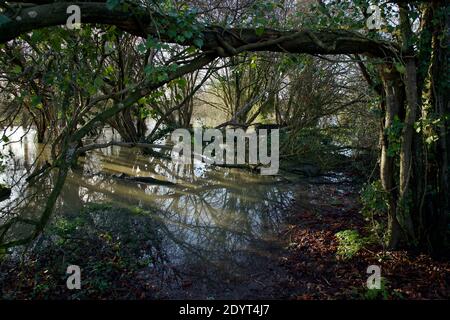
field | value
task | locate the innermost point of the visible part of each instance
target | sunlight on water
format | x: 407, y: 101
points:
x: 208, y: 215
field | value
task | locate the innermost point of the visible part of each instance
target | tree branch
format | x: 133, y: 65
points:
x: 142, y: 22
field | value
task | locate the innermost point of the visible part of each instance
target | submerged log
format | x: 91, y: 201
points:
x: 148, y: 180
x: 303, y: 169
x: 248, y: 167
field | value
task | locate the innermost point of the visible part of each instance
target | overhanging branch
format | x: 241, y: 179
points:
x: 140, y: 21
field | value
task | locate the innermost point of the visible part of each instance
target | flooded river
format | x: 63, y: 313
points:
x: 212, y: 234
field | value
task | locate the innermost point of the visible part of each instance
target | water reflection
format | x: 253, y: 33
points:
x: 211, y: 219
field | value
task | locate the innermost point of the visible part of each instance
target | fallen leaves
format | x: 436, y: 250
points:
x: 318, y: 213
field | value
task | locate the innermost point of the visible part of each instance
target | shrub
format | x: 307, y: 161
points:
x: 374, y: 209
x: 350, y: 242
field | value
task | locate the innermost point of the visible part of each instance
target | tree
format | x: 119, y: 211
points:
x: 410, y: 62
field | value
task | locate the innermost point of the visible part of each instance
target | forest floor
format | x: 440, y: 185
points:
x: 316, y: 271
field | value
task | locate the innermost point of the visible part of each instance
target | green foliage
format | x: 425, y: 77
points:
x: 309, y: 144
x: 36, y: 102
x: 337, y: 13
x: 384, y: 293
x: 106, y: 240
x: 180, y: 23
x: 394, y: 136
x: 93, y: 206
x: 377, y: 294
x: 41, y: 290
x: 3, y: 254
x: 65, y: 227
x: 400, y: 67
x: 17, y: 70
x: 374, y: 199
x: 261, y: 15
x: 429, y: 126
x: 374, y: 208
x: 159, y: 73
x: 350, y: 243
x: 136, y: 211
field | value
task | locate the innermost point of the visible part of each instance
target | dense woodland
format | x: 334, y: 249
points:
x: 372, y: 102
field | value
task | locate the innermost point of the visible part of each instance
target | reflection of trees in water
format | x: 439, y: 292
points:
x: 209, y: 214
x: 19, y: 213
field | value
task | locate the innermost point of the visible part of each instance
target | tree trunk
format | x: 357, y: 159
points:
x: 437, y: 96
x: 41, y: 128
x: 387, y: 161
x: 405, y: 196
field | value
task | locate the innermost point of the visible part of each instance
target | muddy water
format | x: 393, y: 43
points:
x: 216, y: 228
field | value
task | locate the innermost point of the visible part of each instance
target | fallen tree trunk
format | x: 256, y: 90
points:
x: 143, y: 22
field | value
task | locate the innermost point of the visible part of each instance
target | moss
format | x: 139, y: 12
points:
x: 350, y: 243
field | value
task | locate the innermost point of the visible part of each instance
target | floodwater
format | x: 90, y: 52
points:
x: 214, y: 228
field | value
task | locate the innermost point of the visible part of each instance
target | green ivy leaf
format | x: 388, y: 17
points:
x: 98, y: 82
x: 180, y: 39
x: 142, y: 48
x: 198, y: 43
x: 188, y: 34
x: 259, y: 31
x: 162, y: 77
x: 172, y: 33
x: 149, y: 70
x: 182, y: 83
x: 400, y: 68
x: 17, y: 69
x: 36, y: 102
